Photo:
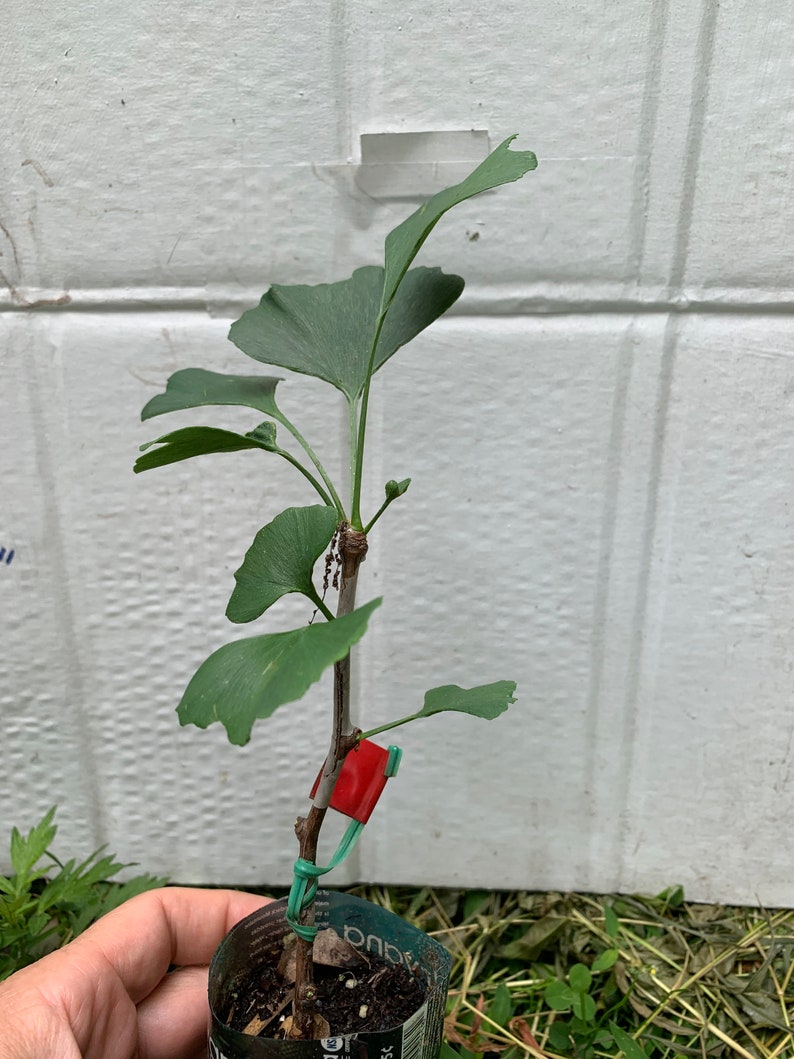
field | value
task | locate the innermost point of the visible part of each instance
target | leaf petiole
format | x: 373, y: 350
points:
x: 317, y: 601
x: 392, y: 724
x: 358, y: 452
x: 393, y: 490
x: 304, y: 444
x: 307, y: 474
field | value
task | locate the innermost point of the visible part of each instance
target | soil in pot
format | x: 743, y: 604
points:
x: 368, y: 998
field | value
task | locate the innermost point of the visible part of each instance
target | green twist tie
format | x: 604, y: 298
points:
x: 304, y: 883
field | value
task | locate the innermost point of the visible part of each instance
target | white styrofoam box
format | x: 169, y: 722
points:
x: 597, y: 510
x: 713, y: 688
x: 742, y: 207
x: 636, y: 551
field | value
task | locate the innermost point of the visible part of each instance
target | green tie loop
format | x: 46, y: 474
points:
x: 304, y: 883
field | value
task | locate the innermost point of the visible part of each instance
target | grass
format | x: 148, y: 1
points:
x: 534, y: 976
x: 553, y: 976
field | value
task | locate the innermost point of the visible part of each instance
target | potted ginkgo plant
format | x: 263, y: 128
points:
x: 314, y: 969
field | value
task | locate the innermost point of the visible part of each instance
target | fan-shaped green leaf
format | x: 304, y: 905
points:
x: 326, y: 330
x: 194, y: 387
x: 402, y: 244
x: 249, y: 679
x: 488, y: 700
x: 200, y: 441
x: 281, y: 559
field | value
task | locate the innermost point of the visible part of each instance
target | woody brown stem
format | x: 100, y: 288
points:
x: 352, y: 549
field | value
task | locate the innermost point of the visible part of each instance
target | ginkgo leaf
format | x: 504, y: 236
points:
x: 487, y: 700
x: 326, y: 330
x: 281, y: 559
x: 403, y: 243
x: 195, y: 387
x: 200, y: 441
x: 248, y: 679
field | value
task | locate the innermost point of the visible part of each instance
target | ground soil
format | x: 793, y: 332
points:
x: 382, y: 996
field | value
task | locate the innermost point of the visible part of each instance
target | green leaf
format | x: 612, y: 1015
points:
x: 281, y: 560
x: 403, y: 243
x: 607, y: 959
x: 539, y: 937
x: 559, y: 996
x: 26, y: 852
x: 194, y: 387
x: 602, y: 1038
x: 627, y: 1044
x: 248, y: 679
x: 611, y: 921
x: 501, y: 1007
x: 197, y: 441
x: 580, y: 978
x: 672, y: 897
x: 326, y: 330
x: 487, y: 700
x: 447, y: 1052
x: 560, y: 1036
x: 474, y: 901
x: 584, y: 1007
x: 97, y: 868
x: 264, y: 435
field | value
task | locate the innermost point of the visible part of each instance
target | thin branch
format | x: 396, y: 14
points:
x: 352, y: 549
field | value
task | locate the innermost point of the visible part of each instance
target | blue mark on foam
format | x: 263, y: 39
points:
x: 6, y: 556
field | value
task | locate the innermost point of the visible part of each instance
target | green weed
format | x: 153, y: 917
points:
x: 45, y: 902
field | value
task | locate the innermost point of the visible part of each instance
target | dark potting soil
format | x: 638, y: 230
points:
x: 381, y: 997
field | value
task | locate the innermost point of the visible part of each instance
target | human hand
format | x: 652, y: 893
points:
x: 108, y: 994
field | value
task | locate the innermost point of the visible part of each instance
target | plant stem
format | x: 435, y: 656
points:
x: 358, y: 451
x: 379, y: 512
x: 353, y: 549
x: 304, y: 444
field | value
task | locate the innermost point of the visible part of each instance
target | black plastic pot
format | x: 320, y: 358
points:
x: 258, y: 940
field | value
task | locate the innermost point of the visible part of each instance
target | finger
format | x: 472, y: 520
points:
x: 172, y: 1020
x: 176, y: 925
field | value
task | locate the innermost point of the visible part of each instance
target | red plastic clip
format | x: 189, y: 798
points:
x: 362, y: 779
